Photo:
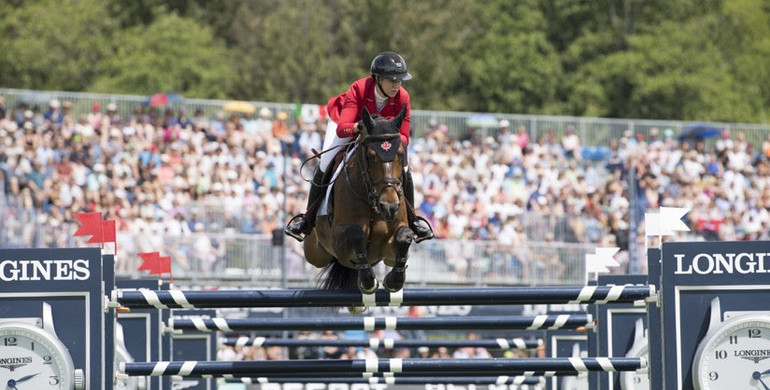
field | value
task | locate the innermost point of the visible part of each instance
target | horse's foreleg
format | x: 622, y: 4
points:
x: 356, y: 240
x: 394, y: 280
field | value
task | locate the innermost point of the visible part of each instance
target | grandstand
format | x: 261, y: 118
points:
x: 516, y: 200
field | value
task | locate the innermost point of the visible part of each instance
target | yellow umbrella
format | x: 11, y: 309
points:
x: 240, y: 106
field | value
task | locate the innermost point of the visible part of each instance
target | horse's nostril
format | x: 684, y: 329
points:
x: 389, y: 208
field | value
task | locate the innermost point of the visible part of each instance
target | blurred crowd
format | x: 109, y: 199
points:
x: 234, y: 353
x: 146, y: 169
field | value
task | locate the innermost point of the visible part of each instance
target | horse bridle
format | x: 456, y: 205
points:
x: 372, y: 195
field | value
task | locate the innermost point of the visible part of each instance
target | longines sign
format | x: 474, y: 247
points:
x: 722, y: 263
x: 70, y: 281
x: 36, y: 270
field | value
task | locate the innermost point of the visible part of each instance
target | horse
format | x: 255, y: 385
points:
x: 368, y: 221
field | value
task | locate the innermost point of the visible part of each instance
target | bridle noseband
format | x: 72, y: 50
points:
x: 388, y: 181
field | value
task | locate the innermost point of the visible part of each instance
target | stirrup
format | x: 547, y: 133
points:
x: 428, y: 236
x: 299, y: 236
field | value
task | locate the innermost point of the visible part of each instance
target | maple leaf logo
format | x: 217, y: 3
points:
x: 386, y: 146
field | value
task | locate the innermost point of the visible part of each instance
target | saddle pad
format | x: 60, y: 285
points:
x: 323, y: 208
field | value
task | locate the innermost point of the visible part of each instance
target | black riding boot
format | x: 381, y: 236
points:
x: 419, y: 225
x: 301, y: 224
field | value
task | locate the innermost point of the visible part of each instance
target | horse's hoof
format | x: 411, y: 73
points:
x: 369, y: 288
x: 394, y: 282
x: 356, y: 309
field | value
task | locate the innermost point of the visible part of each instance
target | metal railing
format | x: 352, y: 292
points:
x: 203, y: 257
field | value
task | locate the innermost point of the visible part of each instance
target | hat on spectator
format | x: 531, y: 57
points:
x: 55, y: 103
x: 283, y: 116
x: 112, y: 107
x: 28, y: 114
x: 96, y: 106
x: 505, y: 123
x: 264, y: 112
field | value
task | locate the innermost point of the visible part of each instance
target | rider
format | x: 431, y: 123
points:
x: 380, y: 93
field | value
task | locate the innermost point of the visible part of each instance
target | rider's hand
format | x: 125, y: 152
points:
x: 359, y: 126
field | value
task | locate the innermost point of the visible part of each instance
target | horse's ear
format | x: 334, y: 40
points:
x: 400, y: 117
x: 368, y: 121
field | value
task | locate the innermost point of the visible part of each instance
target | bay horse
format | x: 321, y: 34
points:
x: 368, y: 219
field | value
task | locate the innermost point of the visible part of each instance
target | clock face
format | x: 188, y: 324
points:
x: 735, y: 355
x: 31, y: 358
x: 632, y: 380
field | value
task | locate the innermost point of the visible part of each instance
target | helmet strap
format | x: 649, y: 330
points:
x: 378, y: 79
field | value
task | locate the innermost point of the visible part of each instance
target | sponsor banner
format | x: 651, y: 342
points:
x: 693, y: 273
x: 69, y: 280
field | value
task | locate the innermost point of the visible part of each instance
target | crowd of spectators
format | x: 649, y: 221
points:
x: 146, y: 169
x: 235, y: 353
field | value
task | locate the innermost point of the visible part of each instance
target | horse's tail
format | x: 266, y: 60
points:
x: 338, y: 277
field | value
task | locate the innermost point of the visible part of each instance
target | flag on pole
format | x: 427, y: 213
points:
x: 666, y: 222
x: 601, y: 261
x: 150, y: 261
x: 90, y: 224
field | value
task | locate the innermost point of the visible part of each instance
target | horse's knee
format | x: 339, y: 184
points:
x: 354, y: 237
x: 353, y: 232
x: 404, y: 237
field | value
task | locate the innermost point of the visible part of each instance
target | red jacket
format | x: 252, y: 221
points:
x: 346, y: 109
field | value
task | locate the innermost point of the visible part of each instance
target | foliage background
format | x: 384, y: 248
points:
x: 655, y: 59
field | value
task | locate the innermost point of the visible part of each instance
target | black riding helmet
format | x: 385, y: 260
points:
x: 390, y: 65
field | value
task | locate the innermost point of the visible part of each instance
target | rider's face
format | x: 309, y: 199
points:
x: 390, y: 86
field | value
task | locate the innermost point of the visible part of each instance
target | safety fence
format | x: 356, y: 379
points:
x: 208, y: 256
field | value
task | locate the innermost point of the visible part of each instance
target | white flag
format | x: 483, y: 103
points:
x: 652, y: 224
x: 607, y: 256
x: 671, y: 219
x: 665, y: 223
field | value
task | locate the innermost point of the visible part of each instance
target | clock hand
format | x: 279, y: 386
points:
x: 12, y: 383
x: 24, y: 378
x: 758, y: 376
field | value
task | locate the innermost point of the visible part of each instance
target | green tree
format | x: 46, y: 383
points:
x: 172, y: 54
x: 54, y: 44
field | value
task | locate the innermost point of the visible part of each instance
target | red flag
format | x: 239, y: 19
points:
x: 90, y: 224
x: 150, y: 261
x: 107, y: 233
x: 164, y: 265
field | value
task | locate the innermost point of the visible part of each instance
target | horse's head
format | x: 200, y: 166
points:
x: 383, y: 162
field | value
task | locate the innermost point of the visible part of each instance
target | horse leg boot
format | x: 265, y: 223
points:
x: 394, y: 280
x: 301, y: 224
x: 355, y: 239
x: 419, y: 225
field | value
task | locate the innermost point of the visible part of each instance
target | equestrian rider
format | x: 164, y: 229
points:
x: 380, y: 93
